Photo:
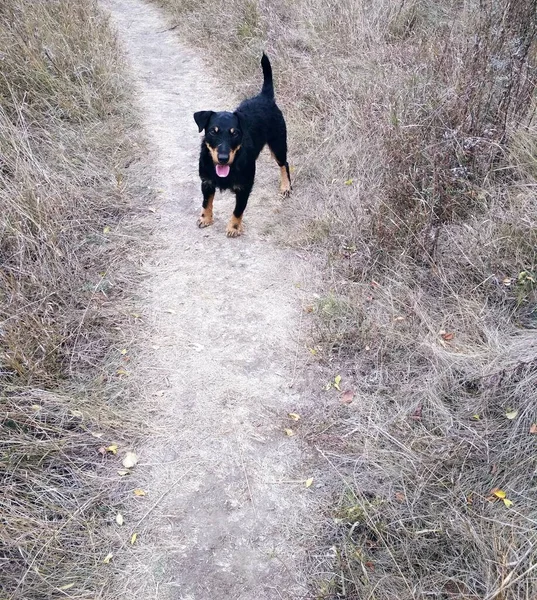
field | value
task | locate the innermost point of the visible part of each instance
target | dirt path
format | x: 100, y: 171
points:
x: 227, y: 483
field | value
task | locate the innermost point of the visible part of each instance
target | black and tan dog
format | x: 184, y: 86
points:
x: 231, y: 145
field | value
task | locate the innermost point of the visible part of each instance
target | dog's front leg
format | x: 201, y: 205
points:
x: 234, y: 227
x: 206, y: 217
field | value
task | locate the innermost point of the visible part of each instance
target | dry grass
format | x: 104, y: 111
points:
x: 413, y: 135
x: 67, y: 143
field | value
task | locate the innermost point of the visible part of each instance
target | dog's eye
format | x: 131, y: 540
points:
x: 213, y: 130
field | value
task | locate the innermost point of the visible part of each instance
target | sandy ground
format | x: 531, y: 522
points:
x: 226, y: 501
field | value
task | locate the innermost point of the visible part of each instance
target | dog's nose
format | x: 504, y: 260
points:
x: 223, y: 158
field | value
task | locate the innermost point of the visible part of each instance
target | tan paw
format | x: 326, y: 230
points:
x: 285, y: 192
x: 205, y: 220
x: 234, y: 228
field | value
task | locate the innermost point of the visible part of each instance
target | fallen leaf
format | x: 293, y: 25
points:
x: 289, y: 432
x: 119, y: 519
x: 130, y: 460
x: 112, y: 448
x: 533, y: 428
x: 136, y: 315
x: 294, y: 416
x: 108, y: 558
x: 347, y: 397
x: 476, y: 417
x: 349, y: 181
x: 124, y: 351
x: 400, y: 497
x: 308, y: 482
x: 106, y: 229
x: 313, y: 351
x: 511, y: 414
x: 139, y: 492
x: 507, y: 502
x: 35, y: 407
x: 498, y: 493
x: 308, y: 309
x: 68, y: 586
x: 337, y: 381
x: 134, y: 536
x: 448, y: 336
x: 122, y: 372
x: 370, y: 566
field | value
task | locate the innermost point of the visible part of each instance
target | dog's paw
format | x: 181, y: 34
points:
x: 285, y: 192
x: 234, y: 228
x: 205, y: 220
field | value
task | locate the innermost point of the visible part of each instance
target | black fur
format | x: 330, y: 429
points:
x: 237, y: 138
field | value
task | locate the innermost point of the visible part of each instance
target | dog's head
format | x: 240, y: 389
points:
x: 223, y: 137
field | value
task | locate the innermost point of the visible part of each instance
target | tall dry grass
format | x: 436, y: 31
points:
x: 413, y: 137
x: 68, y: 144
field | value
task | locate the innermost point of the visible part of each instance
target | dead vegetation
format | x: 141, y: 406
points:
x: 413, y: 137
x: 67, y: 141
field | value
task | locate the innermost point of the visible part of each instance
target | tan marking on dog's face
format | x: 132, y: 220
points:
x: 234, y: 227
x: 233, y: 154
x: 214, y: 153
x: 285, y: 183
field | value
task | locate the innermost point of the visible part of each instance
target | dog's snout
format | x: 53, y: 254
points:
x: 223, y: 157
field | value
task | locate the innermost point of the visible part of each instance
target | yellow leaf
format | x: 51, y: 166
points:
x: 313, y: 351
x: 507, y: 502
x: 133, y: 538
x: 112, y: 449
x: 35, y: 407
x: 122, y: 372
x: 476, y: 417
x: 294, y: 416
x: 349, y: 181
x: 289, y: 432
x: 108, y: 558
x: 124, y: 351
x: 68, y: 586
x: 511, y: 414
x: 119, y: 519
x: 499, y: 493
x: 106, y: 229
x: 139, y: 492
x: 130, y: 460
x: 309, y: 482
x: 337, y: 381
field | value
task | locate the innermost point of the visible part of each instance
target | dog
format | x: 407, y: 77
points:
x: 231, y: 145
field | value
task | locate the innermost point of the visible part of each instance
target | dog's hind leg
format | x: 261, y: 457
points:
x: 278, y: 147
x: 234, y: 227
x: 206, y: 217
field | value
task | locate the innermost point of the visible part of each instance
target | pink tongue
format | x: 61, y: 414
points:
x: 222, y: 170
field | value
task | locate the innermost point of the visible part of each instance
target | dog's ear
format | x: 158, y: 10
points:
x: 202, y: 118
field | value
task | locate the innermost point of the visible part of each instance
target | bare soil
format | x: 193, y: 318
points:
x: 225, y: 486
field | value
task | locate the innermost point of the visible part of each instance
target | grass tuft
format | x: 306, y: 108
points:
x: 68, y: 150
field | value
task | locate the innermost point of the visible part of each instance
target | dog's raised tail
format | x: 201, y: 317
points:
x: 268, y: 85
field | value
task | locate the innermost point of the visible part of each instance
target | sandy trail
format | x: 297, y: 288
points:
x: 228, y: 483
